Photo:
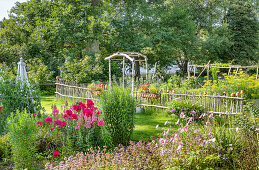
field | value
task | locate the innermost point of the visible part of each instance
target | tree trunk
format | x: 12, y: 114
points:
x: 137, y: 70
x: 183, y: 66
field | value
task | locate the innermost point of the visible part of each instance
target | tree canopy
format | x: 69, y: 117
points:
x: 169, y: 32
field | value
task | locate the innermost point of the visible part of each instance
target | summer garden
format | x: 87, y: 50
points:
x: 88, y: 84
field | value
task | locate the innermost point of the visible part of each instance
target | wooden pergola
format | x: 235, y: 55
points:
x: 122, y: 56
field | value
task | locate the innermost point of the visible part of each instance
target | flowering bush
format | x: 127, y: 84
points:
x: 191, y: 146
x: 186, y: 108
x: 78, y: 128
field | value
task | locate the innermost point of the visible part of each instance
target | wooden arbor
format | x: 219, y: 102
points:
x: 122, y: 56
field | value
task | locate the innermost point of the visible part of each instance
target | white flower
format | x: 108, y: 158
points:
x: 157, y: 126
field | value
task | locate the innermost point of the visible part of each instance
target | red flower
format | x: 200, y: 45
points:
x: 69, y: 112
x: 48, y: 120
x: 57, y: 122
x: 74, y: 116
x: 51, y: 129
x: 100, y: 122
x: 88, y: 112
x: 1, y: 108
x: 82, y: 105
x: 55, y: 154
x: 39, y: 123
x: 90, y: 103
x: 77, y: 108
x: 65, y: 115
x: 63, y: 123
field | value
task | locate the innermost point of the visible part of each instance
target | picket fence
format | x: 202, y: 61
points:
x: 222, y: 104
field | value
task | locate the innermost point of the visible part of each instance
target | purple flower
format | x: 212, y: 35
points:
x: 195, y: 131
x: 173, y: 110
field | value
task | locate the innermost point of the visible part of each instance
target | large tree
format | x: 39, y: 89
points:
x: 243, y: 27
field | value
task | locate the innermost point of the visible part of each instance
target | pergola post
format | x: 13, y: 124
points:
x: 110, y: 76
x: 256, y: 72
x: 146, y: 69
x: 133, y: 68
x: 123, y: 71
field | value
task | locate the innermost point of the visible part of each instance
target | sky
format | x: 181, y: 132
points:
x: 5, y: 6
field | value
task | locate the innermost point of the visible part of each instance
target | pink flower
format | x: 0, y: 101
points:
x: 207, y: 123
x: 182, y: 115
x: 48, y: 120
x: 212, y: 140
x: 48, y: 147
x: 176, y: 137
x: 1, y: 108
x: 69, y: 112
x: 66, y: 115
x: 211, y: 115
x: 74, y: 116
x: 210, y: 133
x: 100, y: 122
x: 195, y: 131
x: 55, y: 154
x: 162, y: 141
x: 90, y: 103
x: 51, y: 129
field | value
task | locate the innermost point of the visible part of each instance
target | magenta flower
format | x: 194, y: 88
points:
x: 51, y: 129
x: 207, y: 123
x: 69, y: 112
x: 48, y: 120
x: 90, y: 103
x: 39, y: 123
x: 74, y: 116
x: 55, y: 154
x: 87, y: 112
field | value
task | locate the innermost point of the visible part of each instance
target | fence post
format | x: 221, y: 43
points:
x: 57, y: 78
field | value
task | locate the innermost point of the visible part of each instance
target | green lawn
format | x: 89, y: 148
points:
x: 145, y: 122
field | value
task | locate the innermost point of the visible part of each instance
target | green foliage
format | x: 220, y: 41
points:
x: 5, y: 147
x: 23, y: 138
x: 38, y: 71
x: 118, y: 107
x: 82, y: 71
x: 17, y: 96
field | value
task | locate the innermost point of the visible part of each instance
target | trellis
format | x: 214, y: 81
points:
x: 208, y: 66
x: 122, y: 56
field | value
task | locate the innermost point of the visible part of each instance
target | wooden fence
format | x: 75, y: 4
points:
x: 74, y: 91
x: 211, y: 102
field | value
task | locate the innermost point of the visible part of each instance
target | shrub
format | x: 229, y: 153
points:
x: 5, y: 147
x: 23, y: 138
x: 186, y: 108
x: 17, y: 96
x: 119, y: 107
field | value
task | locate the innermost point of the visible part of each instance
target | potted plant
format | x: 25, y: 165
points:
x: 96, y: 88
x: 146, y: 91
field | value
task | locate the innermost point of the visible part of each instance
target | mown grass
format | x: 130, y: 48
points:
x: 145, y: 122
